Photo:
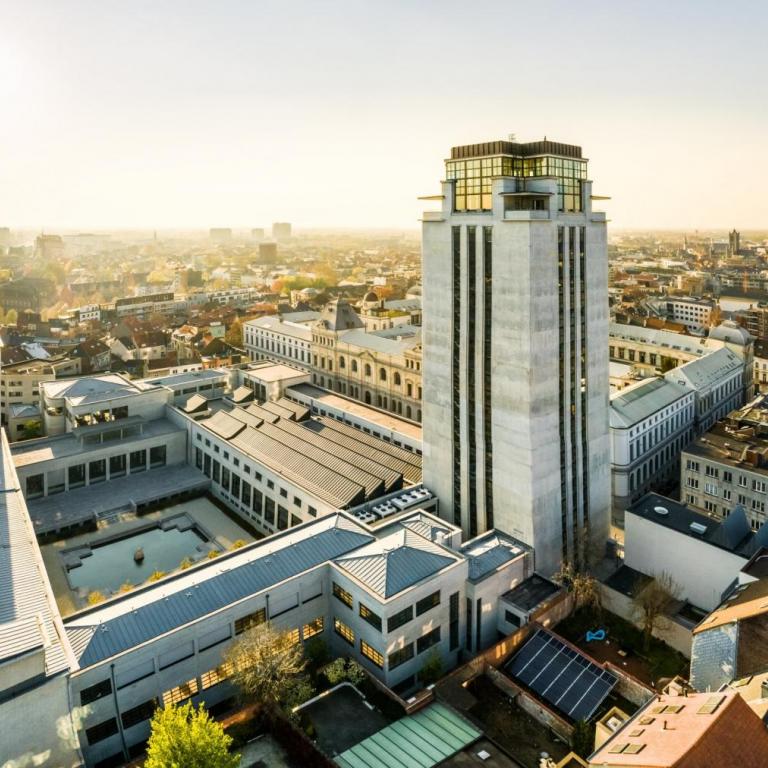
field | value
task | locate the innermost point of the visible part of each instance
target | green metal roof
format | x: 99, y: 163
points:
x: 418, y: 741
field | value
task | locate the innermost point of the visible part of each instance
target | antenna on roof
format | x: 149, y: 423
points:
x: 512, y: 137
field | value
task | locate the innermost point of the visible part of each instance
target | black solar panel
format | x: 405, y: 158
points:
x: 561, y: 676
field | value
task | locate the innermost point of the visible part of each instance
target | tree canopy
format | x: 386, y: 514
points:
x: 269, y: 666
x: 185, y: 737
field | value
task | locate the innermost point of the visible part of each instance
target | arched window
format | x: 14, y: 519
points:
x: 408, y: 411
x: 409, y: 389
x: 367, y: 369
x: 382, y: 374
x: 342, y: 362
x: 397, y: 379
x: 367, y: 397
x: 354, y: 366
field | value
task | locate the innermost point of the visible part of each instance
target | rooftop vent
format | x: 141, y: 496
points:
x: 661, y: 511
x: 699, y: 528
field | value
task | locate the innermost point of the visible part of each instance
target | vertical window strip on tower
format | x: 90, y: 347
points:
x: 456, y: 372
x: 487, y: 372
x: 585, y: 384
x: 561, y: 410
x: 471, y: 416
x: 573, y: 285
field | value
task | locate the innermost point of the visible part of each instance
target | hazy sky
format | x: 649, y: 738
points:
x: 228, y: 113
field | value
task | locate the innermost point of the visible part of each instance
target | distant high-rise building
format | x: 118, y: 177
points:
x: 267, y: 253
x: 5, y: 238
x: 49, y: 247
x: 515, y: 345
x: 220, y: 234
x: 734, y: 242
x: 257, y: 233
x: 281, y: 230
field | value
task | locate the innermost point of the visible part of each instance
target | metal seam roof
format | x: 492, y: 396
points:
x: 422, y: 740
x: 152, y: 611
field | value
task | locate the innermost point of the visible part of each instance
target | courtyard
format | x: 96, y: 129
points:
x: 126, y: 550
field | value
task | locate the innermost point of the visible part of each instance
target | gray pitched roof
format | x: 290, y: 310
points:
x: 396, y: 562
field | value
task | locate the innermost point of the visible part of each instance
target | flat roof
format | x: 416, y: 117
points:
x: 274, y: 372
x: 726, y: 446
x: 679, y: 517
x: 42, y: 449
x: 387, y: 421
x: 80, y: 505
x: 490, y: 551
x: 531, y: 593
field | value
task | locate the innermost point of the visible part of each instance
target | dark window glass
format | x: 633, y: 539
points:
x: 157, y: 456
x: 368, y: 615
x: 428, y: 640
x: 397, y: 620
x: 97, y: 471
x: 138, y: 714
x: 251, y: 620
x: 138, y: 461
x: 396, y: 658
x: 95, y: 692
x: 453, y: 633
x: 97, y: 733
x: 117, y: 465
x: 427, y: 603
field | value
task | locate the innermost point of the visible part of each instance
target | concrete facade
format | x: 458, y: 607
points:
x: 516, y: 370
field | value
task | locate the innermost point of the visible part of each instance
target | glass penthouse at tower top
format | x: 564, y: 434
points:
x: 473, y: 166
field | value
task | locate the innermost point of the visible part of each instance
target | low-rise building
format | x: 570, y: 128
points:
x: 284, y: 338
x: 651, y: 421
x: 728, y: 465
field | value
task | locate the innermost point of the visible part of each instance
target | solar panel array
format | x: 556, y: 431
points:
x: 561, y: 676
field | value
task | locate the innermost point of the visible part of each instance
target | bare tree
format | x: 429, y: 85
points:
x: 652, y: 603
x: 582, y: 586
x: 268, y: 665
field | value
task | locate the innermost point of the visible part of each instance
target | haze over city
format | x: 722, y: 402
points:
x: 194, y: 114
x: 383, y: 385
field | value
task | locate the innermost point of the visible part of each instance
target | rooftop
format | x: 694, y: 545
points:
x: 422, y: 740
x: 706, y: 371
x: 29, y: 619
x: 490, y: 551
x: 396, y: 562
x: 734, y: 448
x: 732, y: 534
x: 639, y: 401
x: 700, y: 730
x: 152, y: 610
x: 515, y: 149
x: 531, y: 593
x: 327, y: 399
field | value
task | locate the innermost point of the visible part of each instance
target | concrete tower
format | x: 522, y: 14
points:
x: 515, y: 344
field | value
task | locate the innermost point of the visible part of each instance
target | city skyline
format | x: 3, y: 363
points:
x: 263, y: 113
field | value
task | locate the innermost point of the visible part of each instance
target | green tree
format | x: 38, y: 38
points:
x: 11, y: 317
x: 185, y: 737
x: 269, y: 666
x: 234, y: 334
x: 342, y: 669
x: 32, y: 428
x: 583, y: 738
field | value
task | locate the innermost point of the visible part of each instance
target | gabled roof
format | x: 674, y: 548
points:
x: 396, y: 562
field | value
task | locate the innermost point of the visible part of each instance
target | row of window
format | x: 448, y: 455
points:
x: 79, y: 475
